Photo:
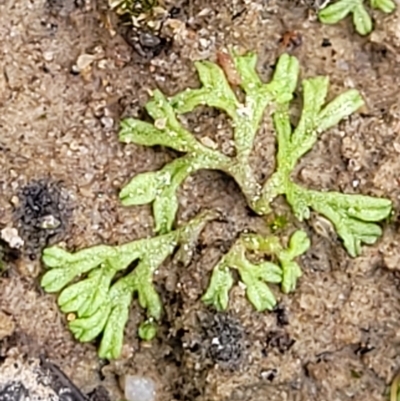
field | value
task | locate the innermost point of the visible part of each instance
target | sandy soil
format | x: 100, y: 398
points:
x: 336, y: 338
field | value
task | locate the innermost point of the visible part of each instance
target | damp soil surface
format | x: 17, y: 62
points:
x: 69, y: 71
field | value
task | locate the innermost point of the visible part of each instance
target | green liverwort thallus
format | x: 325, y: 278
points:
x: 102, y: 304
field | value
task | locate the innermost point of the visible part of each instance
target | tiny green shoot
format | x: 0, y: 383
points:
x: 255, y: 276
x: 362, y: 21
x: 147, y: 330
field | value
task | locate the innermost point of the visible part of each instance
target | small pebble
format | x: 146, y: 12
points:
x: 207, y: 141
x: 107, y: 122
x: 10, y: 235
x: 48, y: 56
x: 103, y: 64
x: 84, y: 61
x: 15, y: 201
x: 49, y: 222
x: 149, y: 40
x: 139, y: 388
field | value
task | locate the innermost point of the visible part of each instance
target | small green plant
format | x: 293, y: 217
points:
x: 255, y: 275
x: 362, y: 21
x: 353, y: 216
x: 160, y: 187
x: 99, y: 302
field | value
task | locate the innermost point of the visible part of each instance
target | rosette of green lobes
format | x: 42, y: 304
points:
x: 354, y: 216
x: 160, y: 187
x: 101, y: 300
x: 282, y: 269
x: 338, y: 10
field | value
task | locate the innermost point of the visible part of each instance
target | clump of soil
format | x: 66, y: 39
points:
x: 225, y: 339
x: 42, y: 213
